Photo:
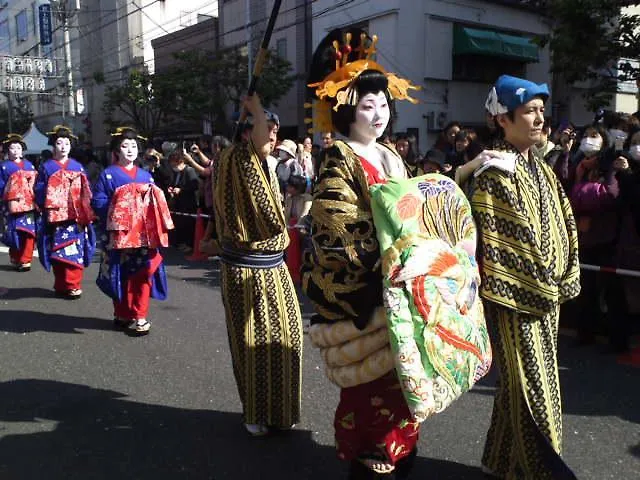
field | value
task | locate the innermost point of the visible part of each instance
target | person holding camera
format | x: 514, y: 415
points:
x: 181, y: 196
x: 559, y: 158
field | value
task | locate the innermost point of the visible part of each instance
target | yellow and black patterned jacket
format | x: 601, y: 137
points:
x: 248, y: 212
x: 528, y: 242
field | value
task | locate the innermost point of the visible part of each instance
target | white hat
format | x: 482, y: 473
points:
x: 168, y: 148
x: 288, y: 146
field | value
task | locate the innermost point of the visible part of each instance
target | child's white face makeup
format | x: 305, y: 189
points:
x: 128, y: 150
x: 62, y: 147
x: 15, y: 151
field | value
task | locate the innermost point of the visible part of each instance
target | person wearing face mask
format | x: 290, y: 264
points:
x: 618, y: 126
x: 66, y: 238
x: 593, y: 199
x: 341, y: 273
x: 131, y: 267
x: 626, y: 290
x: 17, y: 204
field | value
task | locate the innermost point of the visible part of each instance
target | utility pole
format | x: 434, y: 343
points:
x: 66, y: 12
x: 9, y: 112
x: 248, y: 31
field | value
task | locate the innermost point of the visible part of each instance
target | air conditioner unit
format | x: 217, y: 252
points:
x: 430, y: 119
x: 441, y: 120
x: 436, y: 121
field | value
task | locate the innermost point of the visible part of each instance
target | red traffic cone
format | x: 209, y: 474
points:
x: 197, y: 255
x: 632, y: 358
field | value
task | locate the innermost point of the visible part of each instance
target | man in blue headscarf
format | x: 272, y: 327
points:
x: 528, y: 253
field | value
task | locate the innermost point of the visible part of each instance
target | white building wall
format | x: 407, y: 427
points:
x: 416, y: 41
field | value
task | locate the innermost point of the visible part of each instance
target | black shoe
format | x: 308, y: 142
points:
x: 73, y: 294
x: 121, y: 324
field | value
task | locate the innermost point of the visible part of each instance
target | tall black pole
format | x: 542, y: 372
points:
x: 258, y: 65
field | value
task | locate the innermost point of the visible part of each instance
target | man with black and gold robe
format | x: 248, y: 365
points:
x: 262, y: 310
x: 528, y: 254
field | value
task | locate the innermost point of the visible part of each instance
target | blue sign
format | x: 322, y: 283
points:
x: 44, y: 15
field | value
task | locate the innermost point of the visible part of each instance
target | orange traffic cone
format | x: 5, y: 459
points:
x: 632, y: 358
x: 294, y: 255
x: 197, y: 255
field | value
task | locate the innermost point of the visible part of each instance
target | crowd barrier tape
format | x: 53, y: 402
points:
x: 192, y: 215
x: 202, y: 215
x: 615, y: 271
x: 584, y: 266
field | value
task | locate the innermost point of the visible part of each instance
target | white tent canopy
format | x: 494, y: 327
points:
x: 36, y: 141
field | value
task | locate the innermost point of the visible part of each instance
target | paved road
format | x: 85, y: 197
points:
x: 81, y: 401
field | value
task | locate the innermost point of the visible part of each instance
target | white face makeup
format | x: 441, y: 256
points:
x: 62, y: 147
x: 15, y: 152
x: 128, y: 151
x: 371, y: 117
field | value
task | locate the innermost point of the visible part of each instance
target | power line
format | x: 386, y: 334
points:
x: 219, y: 35
x: 126, y: 43
x: 242, y: 27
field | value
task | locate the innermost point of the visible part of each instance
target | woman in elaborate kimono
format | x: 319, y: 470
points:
x: 134, y: 220
x: 17, y: 179
x: 260, y: 302
x: 374, y: 429
x: 66, y: 239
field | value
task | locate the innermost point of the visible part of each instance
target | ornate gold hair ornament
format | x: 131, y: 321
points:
x: 122, y: 130
x: 61, y: 130
x: 13, y: 138
x: 340, y: 83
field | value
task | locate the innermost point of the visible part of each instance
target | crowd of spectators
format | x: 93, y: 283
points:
x: 598, y: 165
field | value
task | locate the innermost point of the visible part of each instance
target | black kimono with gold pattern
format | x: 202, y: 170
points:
x: 528, y: 256
x: 342, y: 276
x: 261, y: 305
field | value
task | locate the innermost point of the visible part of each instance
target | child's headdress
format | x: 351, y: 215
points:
x: 14, y: 138
x: 122, y: 131
x: 60, y: 131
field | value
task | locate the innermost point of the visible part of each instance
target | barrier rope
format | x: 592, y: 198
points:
x: 584, y: 266
x: 203, y: 215
x: 616, y: 271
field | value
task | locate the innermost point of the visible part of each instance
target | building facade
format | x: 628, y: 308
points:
x: 291, y: 40
x: 454, y: 49
x: 118, y: 38
x: 204, y: 35
x: 108, y: 38
x: 20, y: 37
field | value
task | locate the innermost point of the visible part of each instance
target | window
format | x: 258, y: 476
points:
x: 22, y: 26
x: 281, y: 48
x: 5, y: 38
x: 484, y: 68
x: 34, y: 14
x: 4, y: 30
